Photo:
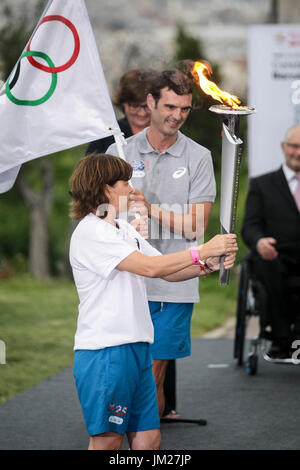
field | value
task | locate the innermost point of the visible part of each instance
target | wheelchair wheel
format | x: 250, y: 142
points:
x: 241, y: 313
x: 252, y: 364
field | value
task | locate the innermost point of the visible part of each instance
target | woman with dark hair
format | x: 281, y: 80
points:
x: 113, y: 363
x: 130, y: 98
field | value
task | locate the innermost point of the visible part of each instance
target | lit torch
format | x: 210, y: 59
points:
x: 230, y: 112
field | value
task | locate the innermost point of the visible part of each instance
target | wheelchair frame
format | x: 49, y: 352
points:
x: 252, y: 301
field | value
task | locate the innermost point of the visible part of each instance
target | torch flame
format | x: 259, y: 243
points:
x: 199, y: 72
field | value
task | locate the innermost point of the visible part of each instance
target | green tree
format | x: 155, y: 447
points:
x: 205, y: 127
x: 13, y: 37
x: 202, y: 125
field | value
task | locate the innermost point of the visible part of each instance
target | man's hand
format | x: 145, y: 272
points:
x: 141, y: 226
x: 138, y: 203
x: 191, y: 225
x: 266, y: 249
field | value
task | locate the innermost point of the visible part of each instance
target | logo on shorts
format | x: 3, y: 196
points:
x: 179, y: 172
x: 118, y: 412
x: 115, y: 419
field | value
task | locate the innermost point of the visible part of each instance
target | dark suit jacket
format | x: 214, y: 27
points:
x: 101, y: 145
x: 271, y: 211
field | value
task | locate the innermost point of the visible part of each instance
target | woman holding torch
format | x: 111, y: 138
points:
x: 112, y: 364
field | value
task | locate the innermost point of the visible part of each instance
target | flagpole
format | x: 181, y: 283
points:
x: 120, y: 141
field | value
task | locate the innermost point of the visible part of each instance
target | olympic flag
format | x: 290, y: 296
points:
x: 56, y: 96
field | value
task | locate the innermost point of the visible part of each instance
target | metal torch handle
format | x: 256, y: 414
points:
x: 225, y: 273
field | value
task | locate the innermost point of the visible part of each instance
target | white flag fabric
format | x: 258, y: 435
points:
x: 56, y: 96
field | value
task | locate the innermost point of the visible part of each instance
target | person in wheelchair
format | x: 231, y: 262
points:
x: 271, y: 229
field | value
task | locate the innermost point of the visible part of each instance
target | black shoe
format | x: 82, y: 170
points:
x: 279, y: 350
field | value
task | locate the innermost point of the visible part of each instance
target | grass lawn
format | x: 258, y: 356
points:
x: 217, y: 304
x: 38, y: 322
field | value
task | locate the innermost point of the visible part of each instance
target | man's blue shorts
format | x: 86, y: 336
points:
x: 116, y: 389
x: 172, y: 329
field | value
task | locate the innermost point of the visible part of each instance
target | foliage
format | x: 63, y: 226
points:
x: 213, y: 227
x: 202, y: 125
x: 217, y: 303
x: 15, y: 33
x: 60, y: 223
x: 12, y: 35
x: 14, y: 222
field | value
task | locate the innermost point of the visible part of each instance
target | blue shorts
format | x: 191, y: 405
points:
x: 116, y: 389
x: 172, y: 329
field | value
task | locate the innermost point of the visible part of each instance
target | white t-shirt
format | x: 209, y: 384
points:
x: 113, y: 307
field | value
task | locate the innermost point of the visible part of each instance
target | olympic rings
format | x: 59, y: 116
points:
x: 74, y: 56
x: 49, y: 92
x: 49, y: 69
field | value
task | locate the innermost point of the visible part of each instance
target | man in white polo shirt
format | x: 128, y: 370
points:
x: 174, y: 179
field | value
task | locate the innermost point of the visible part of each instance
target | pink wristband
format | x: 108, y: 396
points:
x: 195, y: 257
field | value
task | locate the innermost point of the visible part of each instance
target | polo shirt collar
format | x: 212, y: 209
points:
x: 175, y: 150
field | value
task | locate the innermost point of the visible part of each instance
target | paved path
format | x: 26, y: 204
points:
x: 242, y: 411
x: 227, y: 330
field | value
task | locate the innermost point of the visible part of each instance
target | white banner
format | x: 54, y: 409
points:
x: 274, y: 90
x: 56, y: 96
